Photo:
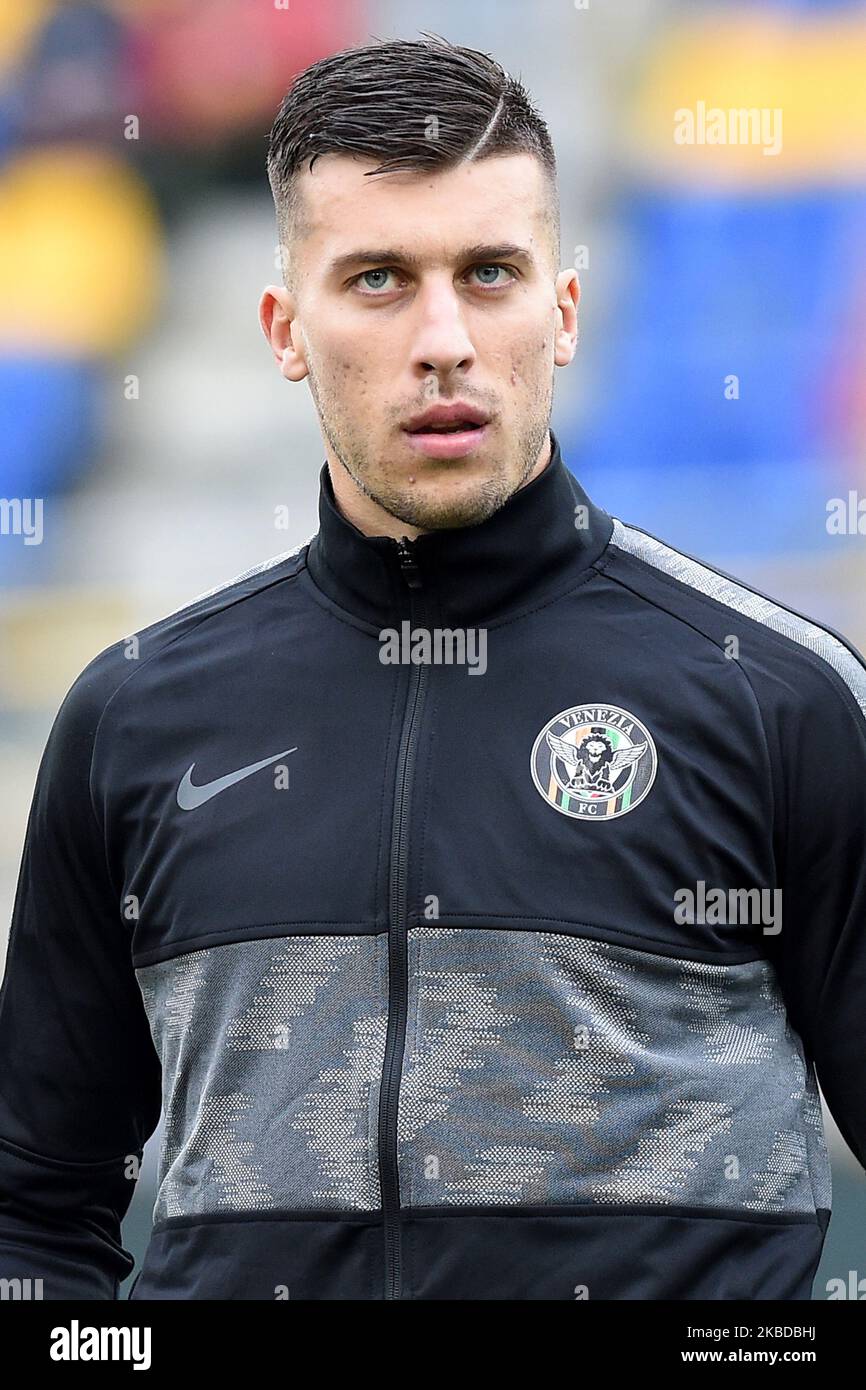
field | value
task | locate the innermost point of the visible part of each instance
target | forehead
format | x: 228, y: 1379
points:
x: 433, y: 214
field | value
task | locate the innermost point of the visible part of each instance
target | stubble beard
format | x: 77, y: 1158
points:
x: 426, y: 513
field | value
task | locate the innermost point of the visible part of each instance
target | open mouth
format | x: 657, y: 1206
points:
x: 448, y: 439
x: 456, y: 427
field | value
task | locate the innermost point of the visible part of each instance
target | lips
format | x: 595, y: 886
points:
x: 454, y: 428
x: 447, y: 432
x: 454, y: 418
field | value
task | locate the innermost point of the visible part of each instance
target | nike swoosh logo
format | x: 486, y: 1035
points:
x: 189, y: 796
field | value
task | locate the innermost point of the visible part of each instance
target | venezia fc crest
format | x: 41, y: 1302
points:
x: 594, y: 762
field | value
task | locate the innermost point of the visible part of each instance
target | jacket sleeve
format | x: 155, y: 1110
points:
x: 79, y: 1076
x: 820, y: 951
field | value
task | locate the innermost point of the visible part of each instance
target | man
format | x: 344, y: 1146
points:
x: 483, y: 881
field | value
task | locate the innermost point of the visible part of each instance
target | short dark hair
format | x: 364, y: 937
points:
x: 382, y: 101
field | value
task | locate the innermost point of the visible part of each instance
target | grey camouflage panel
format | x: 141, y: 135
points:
x: 539, y: 1069
x: 551, y: 1069
x: 272, y: 1053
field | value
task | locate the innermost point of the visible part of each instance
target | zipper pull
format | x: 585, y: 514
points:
x: 408, y: 563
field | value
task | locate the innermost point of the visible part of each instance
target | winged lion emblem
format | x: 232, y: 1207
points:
x: 594, y: 763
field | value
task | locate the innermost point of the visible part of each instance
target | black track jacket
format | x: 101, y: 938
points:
x: 503, y: 976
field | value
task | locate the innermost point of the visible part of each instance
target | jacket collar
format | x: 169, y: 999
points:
x: 535, y: 545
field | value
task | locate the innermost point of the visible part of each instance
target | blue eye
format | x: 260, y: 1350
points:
x: 373, y: 282
x: 494, y: 268
x: 363, y: 277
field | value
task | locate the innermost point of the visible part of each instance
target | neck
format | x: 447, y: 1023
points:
x: 529, y: 548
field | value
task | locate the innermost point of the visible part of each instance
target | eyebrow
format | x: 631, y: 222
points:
x: 497, y: 251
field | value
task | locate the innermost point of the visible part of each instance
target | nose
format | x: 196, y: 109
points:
x: 441, y: 342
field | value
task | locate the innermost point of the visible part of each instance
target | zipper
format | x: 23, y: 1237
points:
x: 398, y: 951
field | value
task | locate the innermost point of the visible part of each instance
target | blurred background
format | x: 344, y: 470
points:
x: 149, y: 447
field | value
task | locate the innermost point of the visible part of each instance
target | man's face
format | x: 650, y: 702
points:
x: 416, y: 292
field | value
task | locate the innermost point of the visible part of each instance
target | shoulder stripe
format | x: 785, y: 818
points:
x: 256, y: 569
x: 724, y: 589
x: 227, y: 584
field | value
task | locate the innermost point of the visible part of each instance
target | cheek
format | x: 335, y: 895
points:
x: 354, y: 360
x: 345, y: 372
x: 529, y: 362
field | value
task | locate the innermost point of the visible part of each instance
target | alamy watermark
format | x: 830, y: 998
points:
x: 434, y: 646
x: 77, y: 1343
x: 759, y: 907
x: 22, y: 516
x: 739, y: 125
x: 19, y: 1290
x: 846, y: 516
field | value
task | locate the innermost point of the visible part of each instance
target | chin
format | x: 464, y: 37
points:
x: 449, y: 509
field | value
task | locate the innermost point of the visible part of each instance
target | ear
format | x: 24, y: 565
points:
x: 281, y: 327
x: 567, y: 300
